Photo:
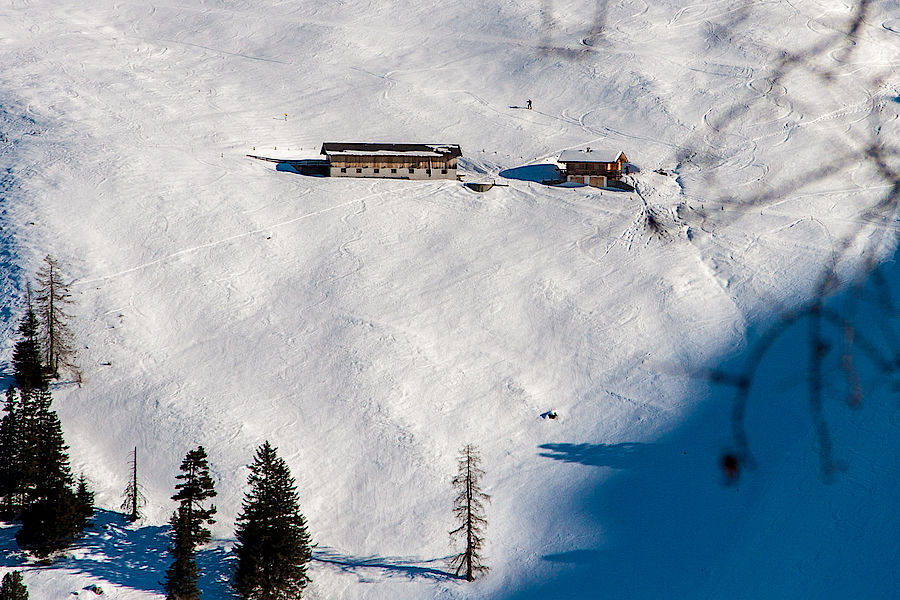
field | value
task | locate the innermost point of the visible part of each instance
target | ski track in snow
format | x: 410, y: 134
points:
x: 225, y: 240
x: 369, y: 328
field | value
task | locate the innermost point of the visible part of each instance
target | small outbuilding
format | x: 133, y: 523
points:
x: 593, y: 167
x: 392, y: 161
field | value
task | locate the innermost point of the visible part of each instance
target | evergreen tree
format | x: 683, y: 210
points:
x: 11, y: 456
x: 189, y: 525
x: 47, y: 462
x: 51, y: 516
x: 195, y: 489
x: 468, y: 508
x: 50, y: 523
x: 85, y: 497
x: 55, y: 336
x: 30, y: 440
x: 183, y: 574
x: 134, y: 500
x: 13, y: 588
x: 30, y: 372
x: 273, y: 544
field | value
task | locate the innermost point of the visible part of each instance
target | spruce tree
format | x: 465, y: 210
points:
x: 273, y: 544
x: 51, y: 515
x: 47, y: 460
x: 195, y: 489
x: 50, y: 523
x: 30, y: 420
x: 189, y: 525
x: 13, y: 588
x: 468, y: 508
x: 51, y: 299
x: 28, y: 364
x: 11, y: 456
x: 183, y: 574
x: 85, y: 497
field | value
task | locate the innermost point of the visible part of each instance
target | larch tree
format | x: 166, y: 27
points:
x: 273, y: 544
x: 468, y: 508
x: 55, y: 335
x: 189, y: 525
x: 133, y: 499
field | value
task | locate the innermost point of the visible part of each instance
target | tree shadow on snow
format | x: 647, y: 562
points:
x: 6, y: 380
x: 120, y: 552
x: 616, y: 456
x: 388, y: 566
x: 10, y: 555
x: 672, y: 523
x: 128, y: 555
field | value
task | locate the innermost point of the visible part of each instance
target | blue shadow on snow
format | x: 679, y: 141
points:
x: 672, y: 526
x: 128, y: 555
x: 536, y: 173
x: 386, y: 565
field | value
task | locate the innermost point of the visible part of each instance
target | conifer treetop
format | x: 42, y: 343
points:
x: 273, y: 543
x: 12, y: 587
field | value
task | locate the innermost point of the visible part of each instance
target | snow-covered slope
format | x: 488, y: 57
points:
x: 370, y: 329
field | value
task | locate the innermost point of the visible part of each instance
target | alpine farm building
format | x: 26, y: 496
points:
x: 593, y: 168
x: 392, y: 161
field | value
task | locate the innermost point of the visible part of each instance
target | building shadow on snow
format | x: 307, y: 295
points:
x: 537, y: 173
x: 311, y: 167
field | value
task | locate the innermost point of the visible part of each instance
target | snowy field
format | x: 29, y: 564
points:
x: 371, y: 328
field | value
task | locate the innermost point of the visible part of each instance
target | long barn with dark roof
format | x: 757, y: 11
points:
x: 392, y: 161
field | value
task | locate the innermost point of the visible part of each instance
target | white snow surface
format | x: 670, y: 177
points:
x: 371, y: 328
x: 589, y: 155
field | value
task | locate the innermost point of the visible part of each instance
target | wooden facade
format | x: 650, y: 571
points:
x: 591, y: 167
x: 392, y: 161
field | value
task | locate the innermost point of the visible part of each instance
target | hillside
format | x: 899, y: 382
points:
x: 370, y: 328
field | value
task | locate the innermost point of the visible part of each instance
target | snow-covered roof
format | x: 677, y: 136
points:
x: 590, y: 155
x: 369, y: 149
x: 384, y: 153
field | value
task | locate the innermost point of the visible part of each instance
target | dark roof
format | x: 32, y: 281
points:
x: 365, y: 149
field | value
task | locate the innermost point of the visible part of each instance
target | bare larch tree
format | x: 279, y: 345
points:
x: 52, y: 298
x: 468, y: 508
x: 134, y: 500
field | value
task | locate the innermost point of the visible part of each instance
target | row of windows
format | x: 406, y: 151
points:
x: 594, y: 167
x: 411, y: 170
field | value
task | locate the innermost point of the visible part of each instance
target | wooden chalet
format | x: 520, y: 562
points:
x: 392, y: 161
x: 593, y: 167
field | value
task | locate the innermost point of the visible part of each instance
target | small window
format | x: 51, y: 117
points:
x: 412, y: 170
x: 343, y: 170
x: 428, y: 171
x: 376, y: 170
x: 393, y: 170
x: 359, y: 170
x: 443, y: 171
